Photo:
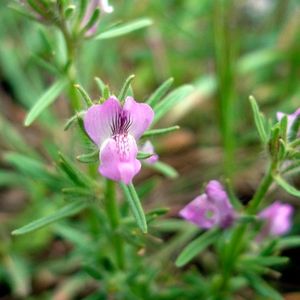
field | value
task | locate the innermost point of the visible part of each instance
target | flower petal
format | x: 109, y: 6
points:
x: 278, y: 219
x: 148, y: 148
x: 118, y: 159
x: 141, y: 116
x: 99, y: 118
x: 217, y: 195
x: 201, y: 212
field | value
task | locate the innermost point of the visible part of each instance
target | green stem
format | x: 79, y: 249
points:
x: 113, y: 215
x: 235, y: 246
x: 225, y: 56
x: 71, y: 71
x: 261, y: 191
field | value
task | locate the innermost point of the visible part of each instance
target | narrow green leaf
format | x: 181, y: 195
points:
x: 72, y: 120
x: 84, y: 95
x: 259, y: 120
x: 160, y: 131
x: 197, y: 246
x: 160, y: 92
x: 44, y: 64
x: 12, y: 138
x: 294, y: 129
x: 265, y: 261
x: 67, y: 211
x: 69, y: 11
x: 135, y: 204
x: 171, y: 100
x: 143, y: 155
x: 75, y: 174
x: 8, y: 178
x: 235, y: 201
x: 106, y: 92
x: 286, y: 186
x: 18, y: 272
x: 163, y: 168
x: 283, y: 127
x: 154, y: 214
x: 292, y: 169
x: 288, y: 242
x: 27, y: 165
x: 72, y: 234
x: 36, y: 7
x: 125, y: 87
x: 82, y: 9
x: 89, y: 157
x: 101, y: 85
x: 93, y: 20
x: 77, y: 192
x: 124, y: 29
x: 247, y: 219
x: 262, y: 287
x: 19, y: 9
x: 45, y: 100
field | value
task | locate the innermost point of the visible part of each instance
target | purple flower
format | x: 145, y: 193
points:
x: 115, y: 129
x: 211, y: 208
x: 290, y: 118
x: 277, y: 220
x: 148, y: 148
x: 104, y: 7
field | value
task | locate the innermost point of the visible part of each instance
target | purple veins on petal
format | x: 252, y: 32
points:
x: 210, y: 209
x: 141, y: 115
x: 116, y: 129
x: 277, y: 219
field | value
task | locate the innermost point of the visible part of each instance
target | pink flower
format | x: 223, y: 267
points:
x: 115, y: 129
x: 277, y: 220
x: 104, y: 7
x: 148, y: 148
x: 211, y: 208
x: 290, y: 118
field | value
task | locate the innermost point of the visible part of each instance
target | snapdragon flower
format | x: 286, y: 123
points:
x: 291, y: 118
x: 277, y: 220
x: 104, y: 7
x: 210, y: 209
x: 115, y: 129
x: 148, y: 148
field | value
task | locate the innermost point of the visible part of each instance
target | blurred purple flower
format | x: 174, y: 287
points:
x: 104, y: 7
x: 115, y: 129
x: 211, y: 208
x: 148, y: 148
x: 290, y: 118
x: 277, y: 220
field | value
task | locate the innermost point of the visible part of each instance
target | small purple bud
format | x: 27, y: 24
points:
x: 291, y: 118
x: 148, y: 148
x: 104, y: 7
x: 210, y: 209
x: 277, y: 220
